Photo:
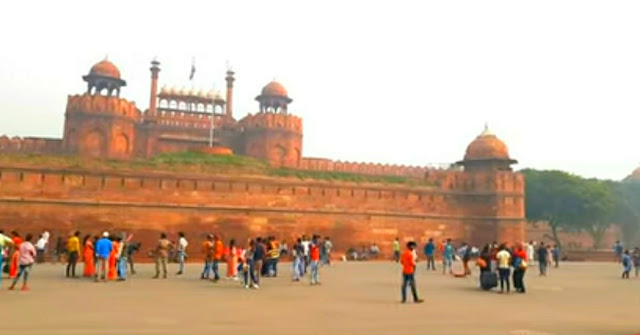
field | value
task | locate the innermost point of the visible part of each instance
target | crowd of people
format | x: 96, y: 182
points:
x: 111, y: 256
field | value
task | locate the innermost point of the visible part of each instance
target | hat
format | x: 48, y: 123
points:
x: 105, y: 234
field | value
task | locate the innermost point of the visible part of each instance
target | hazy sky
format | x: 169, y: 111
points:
x: 407, y: 82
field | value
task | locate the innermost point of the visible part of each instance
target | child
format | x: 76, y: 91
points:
x: 626, y: 264
x: 26, y: 259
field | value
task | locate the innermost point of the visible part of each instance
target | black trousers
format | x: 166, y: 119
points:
x: 71, y: 263
x: 409, y: 279
x: 518, y: 279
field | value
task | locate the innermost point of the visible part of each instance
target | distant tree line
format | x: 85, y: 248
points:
x: 568, y: 202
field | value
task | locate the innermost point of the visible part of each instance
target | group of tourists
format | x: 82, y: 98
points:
x: 630, y: 259
x: 109, y: 256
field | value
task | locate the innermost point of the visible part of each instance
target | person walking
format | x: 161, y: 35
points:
x: 429, y: 251
x: 25, y: 262
x: 519, y: 268
x: 162, y: 255
x: 73, y: 252
x: 218, y: 253
x: 531, y: 250
x: 617, y: 249
x: 41, y: 246
x: 298, y: 260
x: 555, y: 252
x: 5, y: 243
x: 103, y: 251
x: 504, y: 263
x: 636, y: 260
x: 542, y: 259
x: 626, y: 264
x: 87, y: 257
x: 182, y: 252
x: 259, y: 253
x: 447, y: 257
x: 409, y: 261
x: 121, y: 256
x: 232, y: 261
x: 314, y: 256
x: 207, y: 253
x: 396, y: 250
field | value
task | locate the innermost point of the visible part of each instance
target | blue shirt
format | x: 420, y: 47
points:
x: 448, y: 251
x: 429, y: 249
x: 103, y: 247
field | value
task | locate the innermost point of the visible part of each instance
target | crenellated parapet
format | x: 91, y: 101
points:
x: 322, y: 164
x: 273, y: 121
x: 102, y: 105
x: 30, y: 145
x: 182, y: 119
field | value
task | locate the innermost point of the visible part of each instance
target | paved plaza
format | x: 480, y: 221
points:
x: 354, y: 298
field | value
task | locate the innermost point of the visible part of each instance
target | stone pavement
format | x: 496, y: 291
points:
x: 354, y: 298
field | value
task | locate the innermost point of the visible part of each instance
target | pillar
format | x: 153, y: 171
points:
x: 230, y: 79
x: 153, y: 97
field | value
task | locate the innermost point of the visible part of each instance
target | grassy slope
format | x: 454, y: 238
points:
x: 195, y: 162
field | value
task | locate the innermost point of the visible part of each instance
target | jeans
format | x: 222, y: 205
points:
x: 315, y: 277
x: 122, y: 268
x: 71, y: 264
x: 273, y: 267
x: 23, y: 270
x: 215, y: 267
x: 250, y: 273
x: 298, y: 268
x: 101, y: 266
x: 409, y: 279
x: 504, y: 278
x: 396, y: 256
x: 518, y: 279
x: 1, y: 259
x: 431, y: 262
x: 543, y: 267
x: 40, y: 255
x: 208, y: 268
x: 181, y: 257
x: 257, y: 270
x: 447, y: 263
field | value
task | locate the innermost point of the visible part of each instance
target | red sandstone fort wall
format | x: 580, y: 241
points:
x: 353, y: 214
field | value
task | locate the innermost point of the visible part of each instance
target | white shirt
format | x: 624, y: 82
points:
x: 5, y: 240
x: 41, y: 244
x: 305, y: 247
x: 182, y: 244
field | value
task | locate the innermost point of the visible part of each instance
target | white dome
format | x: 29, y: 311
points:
x: 183, y: 91
x: 211, y: 94
x: 164, y: 90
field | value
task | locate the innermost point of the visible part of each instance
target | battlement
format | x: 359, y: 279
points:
x: 98, y: 104
x: 30, y: 145
x: 272, y: 121
x: 323, y: 164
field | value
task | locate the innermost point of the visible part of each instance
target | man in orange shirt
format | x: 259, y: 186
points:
x: 408, y: 261
x: 207, y: 247
x: 218, y: 252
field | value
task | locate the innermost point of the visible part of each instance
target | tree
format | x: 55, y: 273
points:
x: 597, y: 205
x: 625, y: 213
x: 552, y: 196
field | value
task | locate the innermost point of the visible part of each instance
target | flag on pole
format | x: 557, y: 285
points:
x: 193, y: 69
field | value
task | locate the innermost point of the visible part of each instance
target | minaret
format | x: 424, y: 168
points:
x: 230, y: 79
x: 153, y: 97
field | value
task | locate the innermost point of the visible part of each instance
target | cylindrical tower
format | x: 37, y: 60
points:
x: 153, y: 97
x: 230, y: 79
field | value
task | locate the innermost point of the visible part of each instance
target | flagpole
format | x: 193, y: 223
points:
x: 213, y: 116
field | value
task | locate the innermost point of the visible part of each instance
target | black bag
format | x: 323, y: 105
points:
x: 488, y: 280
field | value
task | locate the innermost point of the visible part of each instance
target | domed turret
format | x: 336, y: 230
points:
x: 274, y: 89
x: 105, y: 68
x: 104, y: 76
x: 274, y: 98
x: 487, y: 151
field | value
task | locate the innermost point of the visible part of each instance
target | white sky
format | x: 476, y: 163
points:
x: 407, y: 82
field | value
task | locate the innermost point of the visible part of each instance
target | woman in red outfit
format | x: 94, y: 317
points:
x: 88, y: 253
x: 113, y: 272
x: 519, y: 267
x: 13, y: 265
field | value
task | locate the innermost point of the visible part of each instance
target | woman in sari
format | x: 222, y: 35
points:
x: 13, y: 265
x: 232, y: 261
x: 113, y: 272
x: 87, y: 256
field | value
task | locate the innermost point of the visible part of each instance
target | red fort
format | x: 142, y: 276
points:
x: 478, y: 199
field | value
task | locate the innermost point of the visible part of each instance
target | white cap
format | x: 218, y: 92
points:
x: 105, y: 234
